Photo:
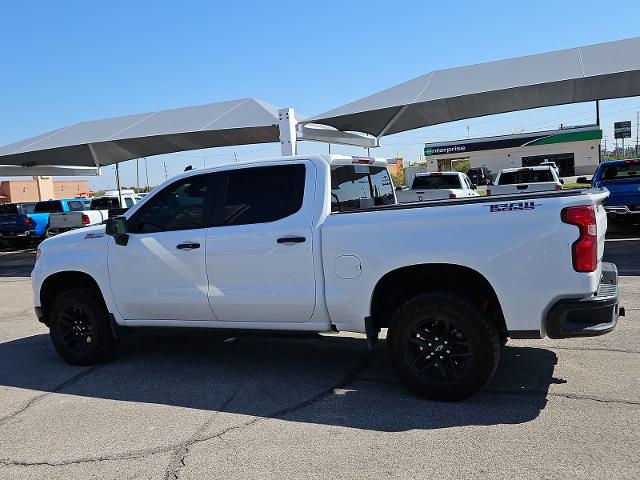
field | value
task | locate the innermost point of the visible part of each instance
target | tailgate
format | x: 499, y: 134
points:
x: 11, y: 222
x: 65, y: 220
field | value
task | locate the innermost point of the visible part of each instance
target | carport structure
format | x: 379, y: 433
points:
x: 590, y: 73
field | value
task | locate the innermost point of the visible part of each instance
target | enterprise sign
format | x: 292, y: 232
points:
x: 515, y: 141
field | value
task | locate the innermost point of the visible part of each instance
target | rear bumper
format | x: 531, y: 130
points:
x: 17, y: 234
x: 590, y: 316
x: 615, y: 210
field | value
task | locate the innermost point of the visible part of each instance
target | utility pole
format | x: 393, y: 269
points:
x: 467, y: 132
x: 166, y: 175
x: 138, y: 174
x: 637, y: 133
x: 235, y: 156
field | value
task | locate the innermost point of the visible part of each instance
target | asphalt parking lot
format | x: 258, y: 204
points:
x: 214, y: 406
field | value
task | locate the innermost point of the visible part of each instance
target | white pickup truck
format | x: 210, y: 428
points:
x: 437, y: 186
x: 98, y: 212
x: 318, y: 243
x: 525, y: 180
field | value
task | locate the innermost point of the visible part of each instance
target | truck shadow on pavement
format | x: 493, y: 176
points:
x: 328, y: 380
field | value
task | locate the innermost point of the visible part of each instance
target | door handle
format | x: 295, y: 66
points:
x: 187, y: 246
x: 291, y: 239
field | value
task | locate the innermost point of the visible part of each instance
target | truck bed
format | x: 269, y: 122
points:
x: 506, y: 198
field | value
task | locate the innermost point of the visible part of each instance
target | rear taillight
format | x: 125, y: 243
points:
x: 452, y: 195
x: 488, y: 191
x: 558, y: 186
x: 585, y: 249
x: 85, y: 219
x: 28, y: 222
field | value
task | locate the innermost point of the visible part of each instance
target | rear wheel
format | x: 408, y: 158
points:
x: 79, y: 327
x: 443, y: 346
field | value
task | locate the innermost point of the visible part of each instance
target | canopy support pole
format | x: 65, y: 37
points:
x: 391, y: 122
x: 288, y: 126
x: 118, y: 185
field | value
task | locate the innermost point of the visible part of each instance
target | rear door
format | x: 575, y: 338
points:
x: 260, y: 255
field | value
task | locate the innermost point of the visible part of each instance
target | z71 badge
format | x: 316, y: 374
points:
x: 509, y: 207
x: 94, y: 235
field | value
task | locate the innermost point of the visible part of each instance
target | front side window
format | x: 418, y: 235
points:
x: 182, y: 205
x: 263, y: 194
x: 355, y: 187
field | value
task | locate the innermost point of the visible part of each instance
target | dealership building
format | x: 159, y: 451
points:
x: 573, y: 149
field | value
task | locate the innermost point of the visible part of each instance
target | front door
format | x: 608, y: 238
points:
x: 260, y: 258
x: 161, y: 273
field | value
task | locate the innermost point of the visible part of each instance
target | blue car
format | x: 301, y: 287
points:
x: 622, y: 179
x: 15, y: 223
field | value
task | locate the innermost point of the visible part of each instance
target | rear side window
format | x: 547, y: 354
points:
x: 128, y: 201
x: 75, y: 205
x: 525, y: 176
x: 435, y: 182
x: 263, y: 194
x: 355, y: 187
x: 52, y: 206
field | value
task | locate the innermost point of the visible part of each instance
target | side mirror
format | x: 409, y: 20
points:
x: 117, y: 228
x: 561, y: 181
x: 474, y: 186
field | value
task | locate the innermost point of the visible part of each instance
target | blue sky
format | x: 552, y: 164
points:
x: 69, y: 61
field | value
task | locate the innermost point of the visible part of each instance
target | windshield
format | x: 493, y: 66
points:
x: 435, y: 182
x: 360, y: 186
x: 9, y: 208
x: 525, y: 176
x: 51, y: 206
x: 621, y: 171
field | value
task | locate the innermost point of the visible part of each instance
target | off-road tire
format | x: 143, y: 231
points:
x: 79, y: 327
x: 420, y: 329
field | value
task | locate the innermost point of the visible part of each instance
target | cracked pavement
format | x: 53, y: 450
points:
x: 312, y: 406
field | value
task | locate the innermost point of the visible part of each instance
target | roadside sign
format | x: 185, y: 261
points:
x: 622, y: 129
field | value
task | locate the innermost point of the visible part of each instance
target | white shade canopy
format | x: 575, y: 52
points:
x: 103, y: 142
x: 595, y: 72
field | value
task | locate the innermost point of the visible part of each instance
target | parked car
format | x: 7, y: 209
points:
x: 96, y: 212
x: 480, y: 175
x: 622, y: 179
x: 547, y: 163
x: 42, y: 210
x: 15, y: 223
x: 525, y: 180
x: 437, y: 186
x: 318, y: 244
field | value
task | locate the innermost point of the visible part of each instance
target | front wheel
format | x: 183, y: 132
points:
x: 443, y: 346
x: 79, y: 327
